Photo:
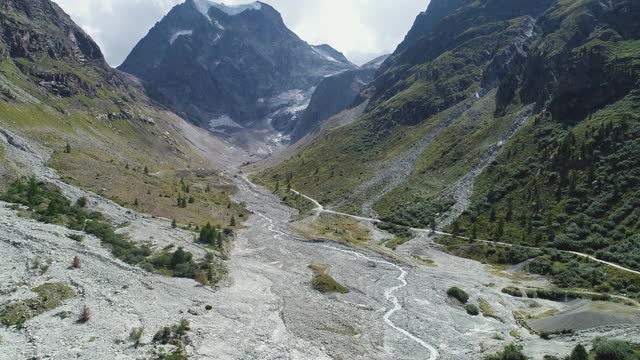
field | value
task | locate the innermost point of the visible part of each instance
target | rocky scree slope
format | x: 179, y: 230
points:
x: 226, y: 67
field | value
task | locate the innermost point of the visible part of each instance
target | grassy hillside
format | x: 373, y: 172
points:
x: 568, y: 179
x: 97, y: 127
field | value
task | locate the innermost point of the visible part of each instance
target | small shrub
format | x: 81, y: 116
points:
x: 458, y: 294
x: 174, y: 332
x: 472, y: 310
x: 202, y: 278
x: 513, y: 291
x: 579, y: 353
x: 85, y: 315
x: 606, y: 349
x: 63, y: 315
x: 82, y: 202
x: 76, y: 237
x: 136, y: 336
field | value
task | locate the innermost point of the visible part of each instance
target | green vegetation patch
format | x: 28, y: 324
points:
x: 472, y: 309
x: 176, y: 336
x: 510, y: 352
x: 566, y: 271
x: 458, y: 294
x: 612, y: 349
x: 47, y: 204
x: 487, y: 310
x: 603, y: 349
x: 50, y: 296
x: 324, y: 283
x: 513, y: 291
x: 569, y: 188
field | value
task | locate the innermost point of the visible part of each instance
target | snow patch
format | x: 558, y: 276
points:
x: 179, y: 33
x: 217, y: 24
x: 324, y: 54
x: 220, y: 123
x: 205, y: 5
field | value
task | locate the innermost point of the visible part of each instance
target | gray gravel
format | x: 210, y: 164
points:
x: 268, y: 310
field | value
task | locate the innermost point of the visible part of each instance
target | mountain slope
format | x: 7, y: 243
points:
x: 94, y: 124
x: 333, y: 95
x: 231, y: 66
x: 569, y: 180
x: 532, y: 101
x: 413, y: 98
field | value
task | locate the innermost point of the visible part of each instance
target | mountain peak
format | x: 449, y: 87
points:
x: 239, y: 62
x: 204, y: 6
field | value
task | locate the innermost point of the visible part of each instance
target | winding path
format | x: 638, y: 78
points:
x: 320, y: 209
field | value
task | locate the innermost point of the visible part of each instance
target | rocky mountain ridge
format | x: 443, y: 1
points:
x: 228, y: 67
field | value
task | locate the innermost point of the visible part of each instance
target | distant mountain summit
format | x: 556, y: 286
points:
x: 228, y: 67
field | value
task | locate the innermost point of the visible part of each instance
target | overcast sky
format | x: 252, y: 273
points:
x: 362, y: 29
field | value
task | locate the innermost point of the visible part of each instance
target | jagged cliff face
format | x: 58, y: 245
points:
x: 39, y: 28
x: 231, y: 66
x: 52, y: 50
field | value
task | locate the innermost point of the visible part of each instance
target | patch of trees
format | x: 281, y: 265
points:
x: 47, y: 204
x: 565, y: 189
x: 603, y: 349
x: 566, y: 271
x: 212, y: 236
x: 419, y: 213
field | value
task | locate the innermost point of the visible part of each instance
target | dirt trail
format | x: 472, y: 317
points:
x: 320, y: 208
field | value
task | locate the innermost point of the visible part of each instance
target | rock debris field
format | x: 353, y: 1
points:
x: 396, y: 309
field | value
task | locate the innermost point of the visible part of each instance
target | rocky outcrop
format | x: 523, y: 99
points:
x: 34, y: 29
x: 235, y: 65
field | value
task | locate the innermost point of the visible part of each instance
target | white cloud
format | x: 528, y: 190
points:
x: 362, y: 29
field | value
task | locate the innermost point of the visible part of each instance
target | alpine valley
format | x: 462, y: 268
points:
x: 232, y: 191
